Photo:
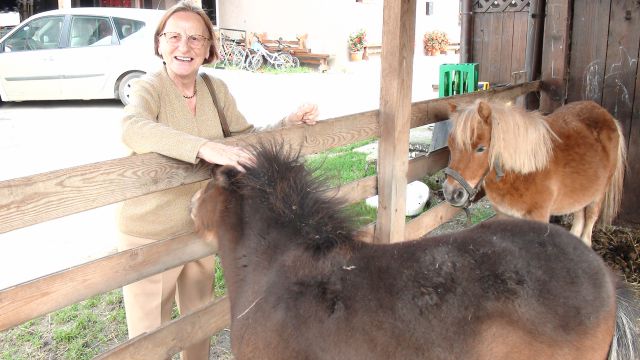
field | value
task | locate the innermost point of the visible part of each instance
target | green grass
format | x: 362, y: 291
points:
x: 342, y: 168
x: 267, y: 69
x: 80, y: 331
x: 293, y: 70
x: 480, y: 213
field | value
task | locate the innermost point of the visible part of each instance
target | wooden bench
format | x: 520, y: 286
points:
x: 322, y: 60
x: 371, y: 49
x: 455, y: 47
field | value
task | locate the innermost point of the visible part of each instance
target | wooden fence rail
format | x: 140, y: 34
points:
x: 34, y: 199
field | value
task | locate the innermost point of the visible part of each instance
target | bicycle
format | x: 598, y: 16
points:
x: 231, y: 52
x: 258, y: 54
x: 287, y: 50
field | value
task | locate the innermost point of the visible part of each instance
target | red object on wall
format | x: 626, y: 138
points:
x: 115, y: 3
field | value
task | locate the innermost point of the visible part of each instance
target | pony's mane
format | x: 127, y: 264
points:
x: 296, y: 197
x: 521, y: 141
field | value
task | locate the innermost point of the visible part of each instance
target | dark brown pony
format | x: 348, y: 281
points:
x: 302, y: 286
x: 532, y: 167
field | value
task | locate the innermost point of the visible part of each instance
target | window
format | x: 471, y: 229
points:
x: 38, y: 34
x: 126, y: 27
x: 90, y: 31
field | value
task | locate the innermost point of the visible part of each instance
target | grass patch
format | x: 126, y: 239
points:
x: 80, y: 331
x: 341, y: 165
x: 292, y: 70
x: 363, y: 213
x: 267, y: 69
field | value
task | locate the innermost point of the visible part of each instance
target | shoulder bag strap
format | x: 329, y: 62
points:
x: 223, y: 119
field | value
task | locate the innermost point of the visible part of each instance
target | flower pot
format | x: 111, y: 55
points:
x: 432, y: 52
x: 355, y: 55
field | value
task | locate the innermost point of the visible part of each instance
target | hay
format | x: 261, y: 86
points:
x: 620, y: 249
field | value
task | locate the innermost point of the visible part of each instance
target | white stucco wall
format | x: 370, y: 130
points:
x: 329, y: 22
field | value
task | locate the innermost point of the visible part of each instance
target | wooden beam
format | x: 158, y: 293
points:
x: 28, y: 200
x: 399, y: 18
x: 34, y: 199
x: 173, y: 337
x: 430, y: 220
x: 555, y: 54
x: 38, y: 198
x: 41, y: 296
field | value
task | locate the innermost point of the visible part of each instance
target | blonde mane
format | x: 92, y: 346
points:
x: 521, y: 141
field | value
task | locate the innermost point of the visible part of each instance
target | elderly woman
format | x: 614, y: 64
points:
x: 172, y: 112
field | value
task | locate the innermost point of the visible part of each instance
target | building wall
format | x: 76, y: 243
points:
x: 328, y: 23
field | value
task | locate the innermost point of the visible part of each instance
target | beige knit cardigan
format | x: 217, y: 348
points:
x: 158, y: 120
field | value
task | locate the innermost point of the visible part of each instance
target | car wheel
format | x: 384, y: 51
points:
x: 124, y: 86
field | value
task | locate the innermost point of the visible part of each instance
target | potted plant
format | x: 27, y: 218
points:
x: 434, y: 42
x: 357, y: 42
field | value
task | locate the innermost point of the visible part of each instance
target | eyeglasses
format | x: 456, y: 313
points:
x: 175, y: 38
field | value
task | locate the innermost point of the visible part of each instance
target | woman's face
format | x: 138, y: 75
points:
x: 182, y: 54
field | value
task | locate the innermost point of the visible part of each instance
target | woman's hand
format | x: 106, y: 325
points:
x: 305, y: 114
x: 216, y: 153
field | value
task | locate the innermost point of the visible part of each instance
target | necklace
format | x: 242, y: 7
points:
x: 195, y: 90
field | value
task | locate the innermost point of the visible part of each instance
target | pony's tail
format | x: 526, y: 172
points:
x: 626, y: 339
x: 613, y: 195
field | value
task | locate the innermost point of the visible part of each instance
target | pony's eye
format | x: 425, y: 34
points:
x: 480, y: 148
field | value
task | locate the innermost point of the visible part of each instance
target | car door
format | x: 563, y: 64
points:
x: 88, y: 61
x: 27, y: 64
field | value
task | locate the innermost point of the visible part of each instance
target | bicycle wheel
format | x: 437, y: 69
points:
x: 237, y: 57
x: 254, y: 62
x: 283, y: 61
x: 291, y: 60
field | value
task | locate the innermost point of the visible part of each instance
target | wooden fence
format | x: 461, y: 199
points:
x: 34, y: 199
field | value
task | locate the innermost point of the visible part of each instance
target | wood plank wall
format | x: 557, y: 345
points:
x: 499, y: 39
x: 605, y: 41
x: 599, y: 63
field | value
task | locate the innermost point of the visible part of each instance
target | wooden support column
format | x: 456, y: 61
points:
x: 555, y: 54
x: 398, y: 37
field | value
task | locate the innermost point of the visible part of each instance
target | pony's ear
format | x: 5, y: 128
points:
x: 484, y: 111
x: 224, y: 175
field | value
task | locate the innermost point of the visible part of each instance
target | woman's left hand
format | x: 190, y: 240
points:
x: 305, y: 114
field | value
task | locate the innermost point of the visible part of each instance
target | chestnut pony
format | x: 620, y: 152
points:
x: 532, y: 167
x: 302, y: 286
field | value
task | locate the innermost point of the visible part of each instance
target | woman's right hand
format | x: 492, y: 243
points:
x: 217, y: 153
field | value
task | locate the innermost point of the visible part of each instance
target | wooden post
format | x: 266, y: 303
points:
x: 555, y: 54
x: 466, y: 30
x: 398, y: 37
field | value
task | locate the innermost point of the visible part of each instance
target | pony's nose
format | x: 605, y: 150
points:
x: 460, y: 196
x: 456, y: 196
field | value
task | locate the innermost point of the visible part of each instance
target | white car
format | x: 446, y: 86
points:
x: 78, y: 53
